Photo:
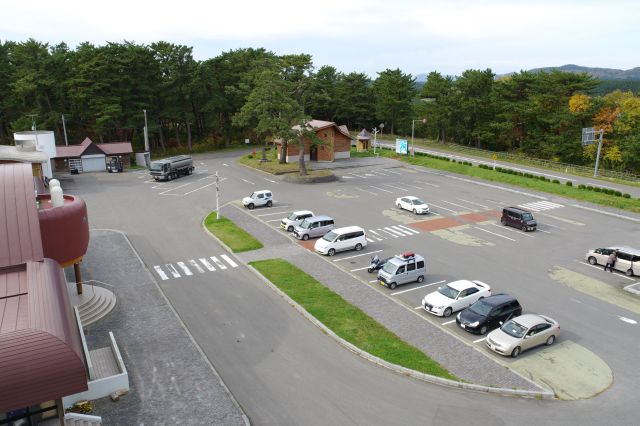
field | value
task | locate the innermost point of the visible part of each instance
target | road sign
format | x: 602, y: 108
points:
x: 402, y: 146
x: 588, y: 136
x: 494, y: 157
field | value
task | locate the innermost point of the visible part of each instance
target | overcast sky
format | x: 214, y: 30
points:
x: 354, y: 35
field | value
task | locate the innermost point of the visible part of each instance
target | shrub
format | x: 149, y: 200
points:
x: 597, y: 189
x: 581, y: 186
x: 618, y: 193
x: 568, y: 183
x: 555, y: 181
x: 589, y: 188
x: 625, y: 195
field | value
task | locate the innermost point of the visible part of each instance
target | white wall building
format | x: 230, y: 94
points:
x: 43, y: 140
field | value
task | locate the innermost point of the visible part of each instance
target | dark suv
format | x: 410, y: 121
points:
x: 488, y: 313
x: 518, y: 218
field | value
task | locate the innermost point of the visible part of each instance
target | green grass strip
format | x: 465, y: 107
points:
x: 237, y: 239
x: 346, y: 320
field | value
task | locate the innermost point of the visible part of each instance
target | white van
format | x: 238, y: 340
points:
x: 403, y: 268
x: 341, y: 239
x: 628, y: 260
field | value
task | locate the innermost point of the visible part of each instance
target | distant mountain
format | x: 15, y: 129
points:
x: 600, y: 73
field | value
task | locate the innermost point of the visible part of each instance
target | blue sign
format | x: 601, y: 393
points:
x: 402, y: 146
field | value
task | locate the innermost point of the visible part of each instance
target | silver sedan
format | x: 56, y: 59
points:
x: 522, y: 333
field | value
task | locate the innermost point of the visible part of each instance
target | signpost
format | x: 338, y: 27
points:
x: 589, y: 138
x: 402, y: 146
x: 217, y: 197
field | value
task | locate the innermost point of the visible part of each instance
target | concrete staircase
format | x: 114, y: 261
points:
x: 94, y: 302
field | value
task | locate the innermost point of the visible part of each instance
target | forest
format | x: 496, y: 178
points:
x: 103, y: 91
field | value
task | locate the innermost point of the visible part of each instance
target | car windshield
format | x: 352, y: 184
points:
x: 527, y: 216
x: 389, y: 268
x: 481, y: 308
x: 418, y: 202
x: 305, y: 224
x: 514, y: 329
x: 292, y: 216
x: 253, y: 195
x: 330, y: 236
x: 448, y: 292
x: 155, y: 167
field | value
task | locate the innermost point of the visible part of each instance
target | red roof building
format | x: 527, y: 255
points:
x: 90, y: 156
x: 335, y: 143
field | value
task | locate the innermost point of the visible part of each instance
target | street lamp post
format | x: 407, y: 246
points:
x: 413, y: 122
x: 375, y: 136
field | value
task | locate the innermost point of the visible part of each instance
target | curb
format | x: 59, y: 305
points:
x: 548, y: 395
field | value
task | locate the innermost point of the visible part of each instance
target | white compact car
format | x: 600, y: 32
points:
x: 341, y: 239
x: 258, y: 199
x: 295, y: 219
x: 455, y: 296
x: 413, y: 204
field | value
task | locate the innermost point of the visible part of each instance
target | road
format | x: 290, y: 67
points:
x: 282, y: 370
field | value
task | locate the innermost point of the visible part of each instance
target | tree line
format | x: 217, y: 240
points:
x: 256, y: 94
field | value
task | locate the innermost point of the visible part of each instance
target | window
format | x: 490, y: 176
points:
x: 421, y: 264
x: 470, y: 291
x: 624, y: 256
x: 411, y: 267
x: 400, y: 270
x: 260, y: 195
x: 268, y: 194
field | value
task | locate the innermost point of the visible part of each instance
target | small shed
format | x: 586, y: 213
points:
x: 363, y: 140
x: 91, y: 157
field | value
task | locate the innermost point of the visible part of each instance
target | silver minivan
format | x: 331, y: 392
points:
x: 403, y: 268
x: 313, y: 227
x: 628, y: 260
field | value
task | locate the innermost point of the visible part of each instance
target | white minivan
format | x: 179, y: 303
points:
x: 341, y: 239
x: 627, y: 261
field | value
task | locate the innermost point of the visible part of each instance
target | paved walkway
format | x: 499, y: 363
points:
x: 461, y: 360
x: 171, y: 381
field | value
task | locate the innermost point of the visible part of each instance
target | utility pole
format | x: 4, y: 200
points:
x: 413, y: 122
x: 595, y: 173
x: 64, y: 127
x: 146, y: 132
x: 34, y: 128
x: 217, y: 197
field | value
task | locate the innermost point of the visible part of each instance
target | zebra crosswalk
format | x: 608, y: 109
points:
x: 538, y: 206
x: 200, y: 266
x: 393, y: 231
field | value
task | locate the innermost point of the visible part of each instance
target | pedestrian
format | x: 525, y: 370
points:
x: 611, y: 261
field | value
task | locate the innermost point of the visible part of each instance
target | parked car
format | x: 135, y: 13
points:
x: 627, y: 261
x: 518, y: 218
x: 258, y: 199
x: 294, y: 219
x: 341, y: 239
x: 403, y: 268
x: 522, y: 333
x: 489, y: 313
x: 313, y: 227
x: 454, y: 297
x: 413, y: 204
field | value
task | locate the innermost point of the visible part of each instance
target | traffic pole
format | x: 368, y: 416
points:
x: 217, y: 197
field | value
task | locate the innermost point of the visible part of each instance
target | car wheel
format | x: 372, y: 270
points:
x: 550, y: 340
x: 393, y: 286
x: 415, y: 211
x: 331, y: 252
x: 290, y: 229
x: 358, y: 247
x: 305, y: 237
x: 399, y: 206
x: 592, y: 260
x: 483, y: 329
x: 516, y: 352
x: 169, y: 176
x: 369, y: 270
x: 269, y: 203
x: 421, y: 278
x: 447, y: 312
x: 504, y: 222
x: 250, y: 206
x: 524, y: 228
x: 629, y: 272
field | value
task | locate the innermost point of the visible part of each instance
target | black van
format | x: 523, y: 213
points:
x: 518, y: 218
x: 489, y: 313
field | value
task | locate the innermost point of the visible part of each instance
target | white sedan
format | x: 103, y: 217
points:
x: 455, y: 296
x: 413, y: 204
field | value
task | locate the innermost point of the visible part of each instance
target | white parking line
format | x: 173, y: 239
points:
x: 347, y: 177
x: 404, y: 231
x: 373, y: 281
x: 363, y: 177
x: 498, y: 235
x: 268, y: 214
x: 479, y: 340
x: 543, y: 231
x: 359, y: 269
x: 370, y: 240
x: 225, y: 257
x: 195, y: 264
x: 621, y: 275
x: 553, y: 226
x: 184, y: 268
x: 408, y: 229
x: 221, y: 265
x: 391, y: 171
x: 248, y: 181
x: 364, y: 190
x: 174, y: 188
x: 457, y: 205
x: 395, y: 187
x: 161, y: 273
x: 225, y: 164
x: 418, y: 307
x: 392, y: 234
x: 375, y: 235
x: 416, y: 288
x: 475, y: 204
x: 400, y: 234
x: 381, y: 189
x: 429, y: 184
x: 269, y: 180
x: 357, y: 255
x: 444, y: 208
x: 379, y: 172
x: 273, y: 220
x: 202, y: 187
x: 206, y: 264
x: 448, y: 322
x: 506, y: 228
x: 620, y: 216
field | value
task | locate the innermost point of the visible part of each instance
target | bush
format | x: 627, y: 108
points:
x: 625, y: 195
x: 581, y: 186
x: 568, y: 183
x: 555, y: 181
x: 589, y: 188
x: 618, y: 193
x: 597, y: 189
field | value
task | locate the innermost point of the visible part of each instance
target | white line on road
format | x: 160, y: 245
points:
x: 418, y: 307
x: 347, y: 177
x: 269, y: 180
x: 395, y: 187
x: 221, y: 265
x: 363, y: 177
x: 409, y: 229
x: 553, y: 226
x: 161, y: 273
x: 364, y: 190
x: 381, y: 189
x: 479, y: 340
x: 228, y: 260
x: 416, y: 187
x: 506, y: 228
x: 391, y: 171
x: 375, y: 235
x: 225, y: 164
x: 448, y: 322
x: 373, y: 281
x: 543, y: 231
x: 416, y: 288
x: 444, y: 208
x: 370, y: 240
x: 202, y: 187
x: 206, y: 264
x: 184, y: 268
x: 196, y: 265
x: 359, y: 269
x: 404, y: 231
x: 429, y: 184
x: 602, y: 267
x: 400, y: 234
x: 358, y: 255
x: 390, y: 233
x: 174, y: 188
x: 457, y: 205
x: 475, y: 204
x: 173, y: 270
x: 273, y: 220
x: 498, y: 235
x: 620, y: 216
x: 268, y: 214
x: 248, y: 181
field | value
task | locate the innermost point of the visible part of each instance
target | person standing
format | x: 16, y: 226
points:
x: 611, y: 261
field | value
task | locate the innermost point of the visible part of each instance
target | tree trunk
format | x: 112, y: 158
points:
x: 283, y: 152
x: 188, y: 134
x: 178, y: 135
x: 162, y: 138
x: 303, y: 166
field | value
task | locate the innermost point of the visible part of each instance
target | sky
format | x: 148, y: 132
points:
x: 354, y: 35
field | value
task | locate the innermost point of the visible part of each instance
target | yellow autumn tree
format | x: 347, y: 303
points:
x: 579, y: 102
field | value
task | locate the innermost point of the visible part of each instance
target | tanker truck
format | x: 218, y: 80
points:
x: 172, y: 167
